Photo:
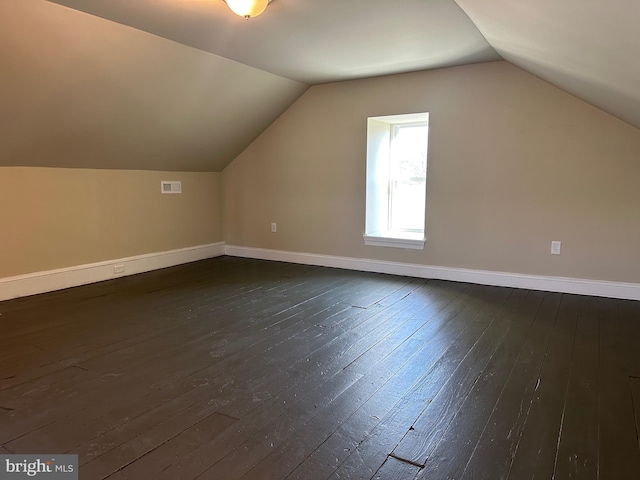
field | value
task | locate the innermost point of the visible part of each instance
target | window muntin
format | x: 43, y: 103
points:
x: 407, y: 177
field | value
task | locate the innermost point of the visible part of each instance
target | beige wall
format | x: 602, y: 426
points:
x: 513, y: 164
x: 53, y: 217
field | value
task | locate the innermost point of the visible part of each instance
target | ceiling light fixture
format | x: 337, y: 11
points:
x: 248, y: 8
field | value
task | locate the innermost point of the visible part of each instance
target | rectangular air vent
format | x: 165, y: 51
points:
x: 170, y: 187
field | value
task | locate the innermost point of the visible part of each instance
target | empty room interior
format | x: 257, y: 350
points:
x: 338, y: 239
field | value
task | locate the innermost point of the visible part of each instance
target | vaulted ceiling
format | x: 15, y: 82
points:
x: 313, y: 41
x: 187, y: 85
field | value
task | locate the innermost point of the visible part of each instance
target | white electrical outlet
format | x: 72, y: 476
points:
x: 555, y: 247
x: 118, y: 269
x: 273, y: 227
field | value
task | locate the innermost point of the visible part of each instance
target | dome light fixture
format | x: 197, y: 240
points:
x: 248, y: 8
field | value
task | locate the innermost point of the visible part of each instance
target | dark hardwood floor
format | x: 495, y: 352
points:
x: 232, y: 368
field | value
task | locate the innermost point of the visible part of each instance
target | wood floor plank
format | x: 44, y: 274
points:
x: 293, y: 451
x: 393, y: 469
x: 419, y: 441
x: 361, y: 444
x: 162, y: 345
x: 239, y: 300
x: 309, y: 364
x: 199, y: 460
x: 184, y: 297
x: 153, y: 437
x: 577, y: 454
x: 618, y: 455
x: 535, y: 452
x: 464, y: 432
x: 629, y: 316
x: 491, y: 453
x: 158, y: 459
x: 234, y: 368
x: 127, y: 291
x: 72, y: 354
x: 96, y: 412
x: 212, y: 453
x: 635, y: 394
x: 192, y: 310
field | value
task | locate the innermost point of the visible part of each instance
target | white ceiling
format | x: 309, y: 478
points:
x: 80, y: 91
x: 313, y: 41
x: 84, y: 84
x: 590, y: 48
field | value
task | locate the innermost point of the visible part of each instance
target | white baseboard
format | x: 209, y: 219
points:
x: 598, y: 288
x: 47, y: 281
x: 50, y: 280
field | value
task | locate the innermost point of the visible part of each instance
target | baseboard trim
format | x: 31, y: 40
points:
x: 598, y: 288
x: 50, y: 280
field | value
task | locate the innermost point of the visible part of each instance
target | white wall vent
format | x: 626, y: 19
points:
x: 170, y: 187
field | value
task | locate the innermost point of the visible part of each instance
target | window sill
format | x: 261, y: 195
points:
x: 411, y: 243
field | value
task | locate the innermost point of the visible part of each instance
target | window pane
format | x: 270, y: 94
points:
x: 408, y: 168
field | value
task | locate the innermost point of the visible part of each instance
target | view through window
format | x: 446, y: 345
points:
x: 397, y: 148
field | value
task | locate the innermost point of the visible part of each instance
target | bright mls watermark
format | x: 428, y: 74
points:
x: 50, y: 467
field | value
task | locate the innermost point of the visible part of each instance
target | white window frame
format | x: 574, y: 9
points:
x: 380, y: 131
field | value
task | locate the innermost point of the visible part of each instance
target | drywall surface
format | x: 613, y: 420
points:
x: 79, y: 91
x: 54, y: 218
x: 513, y: 164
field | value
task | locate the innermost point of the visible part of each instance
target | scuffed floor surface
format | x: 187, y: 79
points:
x: 245, y: 369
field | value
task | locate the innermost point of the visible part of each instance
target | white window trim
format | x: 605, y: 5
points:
x: 378, y: 135
x: 394, y: 242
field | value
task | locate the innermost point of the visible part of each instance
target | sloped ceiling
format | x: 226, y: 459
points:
x: 313, y: 41
x: 80, y: 91
x: 590, y: 48
x: 187, y: 85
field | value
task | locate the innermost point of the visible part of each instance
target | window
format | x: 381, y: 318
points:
x: 396, y: 180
